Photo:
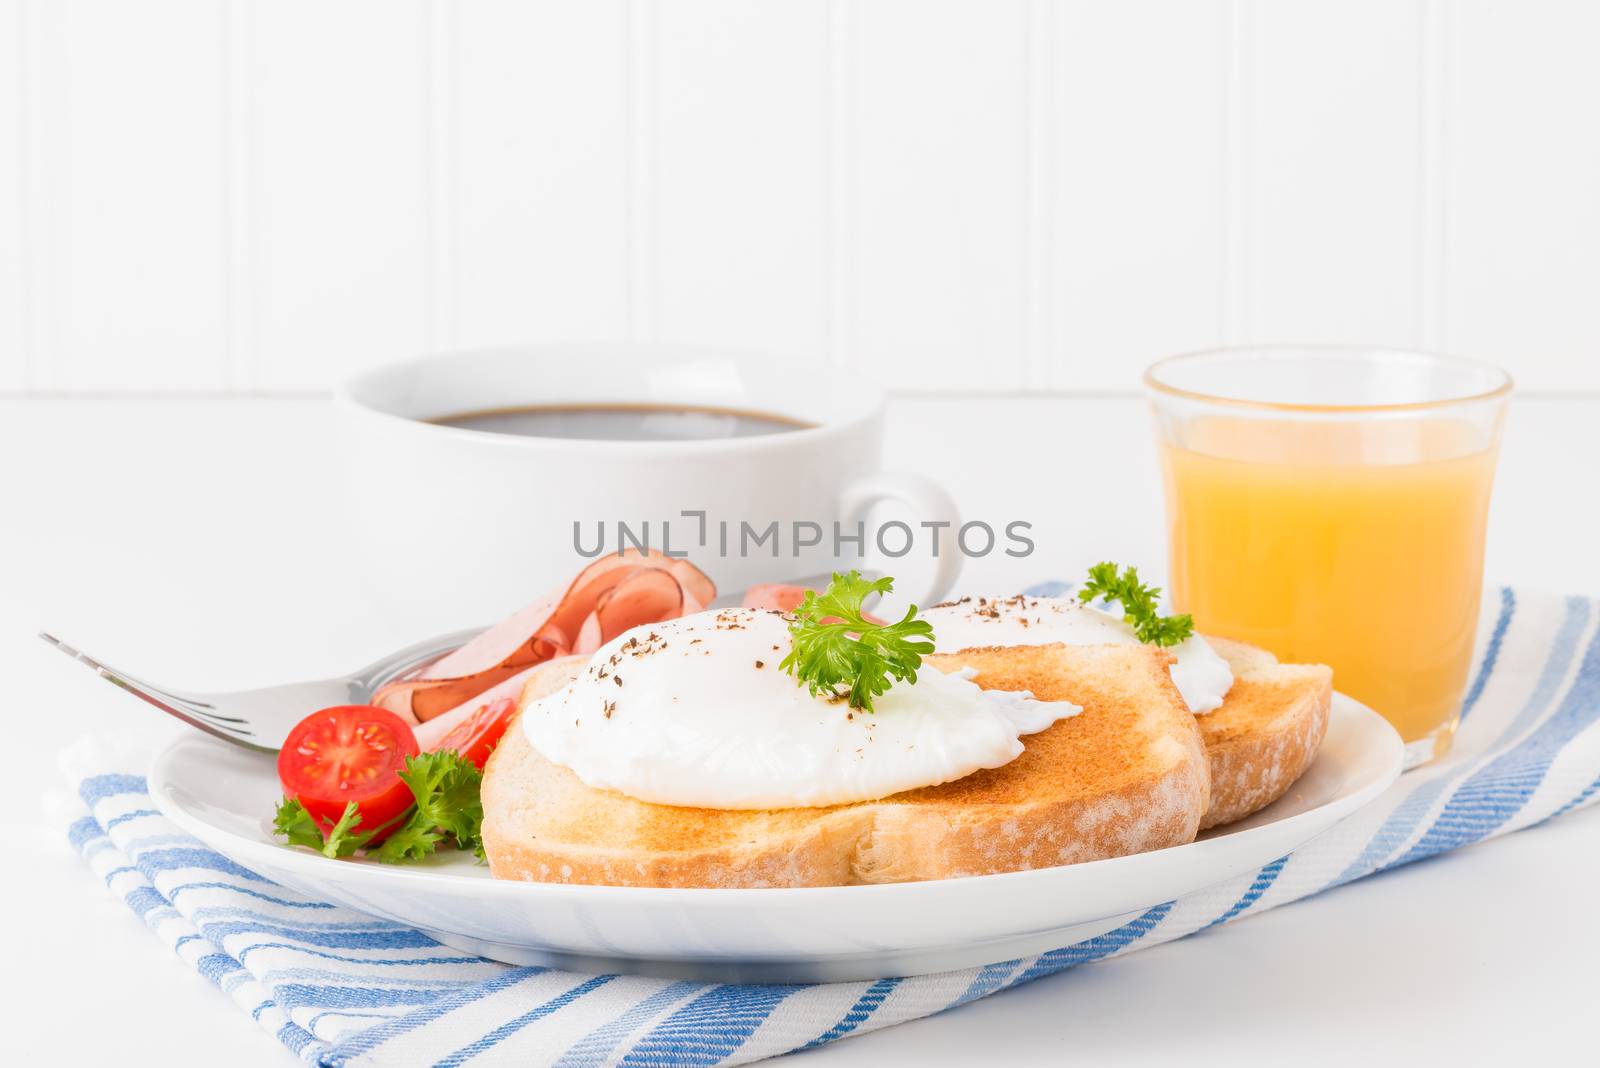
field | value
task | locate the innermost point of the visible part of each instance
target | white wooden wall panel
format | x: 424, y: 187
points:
x: 1132, y: 198
x: 1523, y: 235
x: 130, y: 284
x: 939, y: 149
x: 541, y: 172
x: 1332, y: 192
x: 1003, y: 195
x: 338, y: 199
x: 14, y: 245
x: 737, y: 135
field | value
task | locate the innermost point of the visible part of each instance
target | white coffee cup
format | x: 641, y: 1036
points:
x: 473, y: 524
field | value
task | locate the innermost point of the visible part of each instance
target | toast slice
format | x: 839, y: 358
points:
x: 1126, y: 775
x: 1267, y: 732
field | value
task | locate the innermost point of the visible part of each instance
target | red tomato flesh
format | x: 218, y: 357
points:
x: 349, y: 753
x: 476, y: 736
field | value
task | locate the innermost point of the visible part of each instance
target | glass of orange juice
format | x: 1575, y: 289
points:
x: 1329, y: 504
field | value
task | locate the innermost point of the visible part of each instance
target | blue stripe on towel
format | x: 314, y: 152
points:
x: 241, y: 912
x: 142, y: 899
x: 511, y: 1027
x: 182, y: 888
x: 136, y: 814
x: 401, y: 938
x: 710, y: 1028
x: 594, y: 1048
x: 295, y: 1037
x: 97, y: 788
x: 859, y: 1013
x: 1260, y: 885
x: 393, y: 962
x: 1582, y: 798
x: 157, y: 861
x: 292, y: 996
x: 1491, y: 651
x: 990, y: 977
x: 373, y: 1038
x: 216, y: 966
x: 83, y: 831
x: 1096, y: 948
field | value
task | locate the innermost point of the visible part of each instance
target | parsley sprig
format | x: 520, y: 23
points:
x: 446, y: 807
x: 1138, y: 604
x: 445, y: 785
x: 296, y: 824
x: 834, y: 643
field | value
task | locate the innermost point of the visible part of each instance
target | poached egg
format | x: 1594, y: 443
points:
x: 695, y: 712
x: 1202, y: 677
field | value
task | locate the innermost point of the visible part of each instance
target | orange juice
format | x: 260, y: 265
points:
x: 1358, y: 544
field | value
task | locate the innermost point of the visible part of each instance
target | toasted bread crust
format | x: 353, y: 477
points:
x: 1267, y: 732
x: 1127, y: 775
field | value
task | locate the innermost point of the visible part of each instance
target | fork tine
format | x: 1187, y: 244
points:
x: 195, y: 713
x: 107, y: 671
x: 215, y: 717
x: 227, y: 734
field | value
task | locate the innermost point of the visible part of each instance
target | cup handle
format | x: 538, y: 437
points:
x: 931, y: 504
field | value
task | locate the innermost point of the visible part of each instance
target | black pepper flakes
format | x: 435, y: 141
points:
x: 761, y: 664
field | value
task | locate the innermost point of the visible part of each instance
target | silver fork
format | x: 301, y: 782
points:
x: 261, y: 719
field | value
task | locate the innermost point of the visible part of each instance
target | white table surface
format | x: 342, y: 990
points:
x: 197, y: 541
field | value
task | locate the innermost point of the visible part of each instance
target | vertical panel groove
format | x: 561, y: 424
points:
x: 240, y: 169
x: 53, y: 200
x: 1238, y: 37
x: 28, y: 189
x: 441, y: 185
x: 1433, y: 169
x: 1040, y: 131
x: 639, y: 131
x: 838, y: 184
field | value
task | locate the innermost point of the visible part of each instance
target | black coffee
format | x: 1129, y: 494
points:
x: 623, y: 422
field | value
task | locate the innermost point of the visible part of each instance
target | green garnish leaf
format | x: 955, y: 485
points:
x: 834, y: 644
x: 412, y: 841
x: 301, y: 829
x: 343, y: 839
x: 1138, y: 604
x: 295, y: 823
x: 446, y: 787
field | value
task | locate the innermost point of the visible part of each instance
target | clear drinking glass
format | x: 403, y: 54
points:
x: 1329, y: 504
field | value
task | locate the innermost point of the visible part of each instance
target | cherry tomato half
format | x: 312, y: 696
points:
x: 348, y: 753
x: 476, y: 736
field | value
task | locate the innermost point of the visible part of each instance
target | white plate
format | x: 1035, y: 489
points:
x: 225, y: 797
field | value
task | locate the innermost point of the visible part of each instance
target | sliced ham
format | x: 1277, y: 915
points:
x: 431, y: 733
x: 611, y: 595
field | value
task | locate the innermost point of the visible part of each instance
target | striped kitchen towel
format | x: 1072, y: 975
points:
x: 342, y: 989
